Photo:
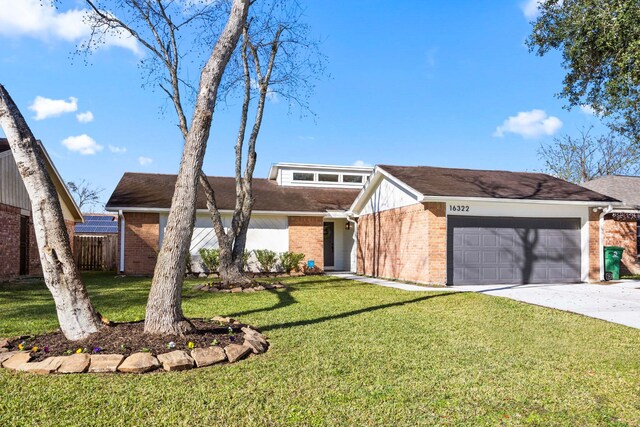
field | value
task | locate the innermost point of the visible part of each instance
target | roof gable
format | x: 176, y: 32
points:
x: 622, y: 187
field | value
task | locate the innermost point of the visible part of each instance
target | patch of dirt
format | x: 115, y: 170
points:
x: 129, y: 338
x: 253, y: 287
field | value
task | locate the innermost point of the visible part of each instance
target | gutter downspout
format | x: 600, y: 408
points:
x: 605, y: 211
x: 122, y: 227
x: 354, y: 250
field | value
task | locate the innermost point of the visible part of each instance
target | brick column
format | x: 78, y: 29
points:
x: 437, y: 235
x: 141, y: 236
x: 624, y: 233
x: 306, y: 236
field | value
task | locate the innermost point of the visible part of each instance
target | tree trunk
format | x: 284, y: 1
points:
x: 164, y: 307
x: 77, y: 317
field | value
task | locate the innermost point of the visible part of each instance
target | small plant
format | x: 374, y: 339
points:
x: 210, y: 259
x: 189, y: 268
x: 145, y: 350
x: 123, y: 347
x: 97, y: 349
x: 214, y: 342
x: 191, y: 344
x: 171, y: 344
x: 35, y: 349
x: 313, y: 271
x: 68, y: 352
x: 46, y: 349
x: 266, y: 259
x: 245, y: 260
x: 291, y: 261
x: 21, y: 346
x: 80, y: 350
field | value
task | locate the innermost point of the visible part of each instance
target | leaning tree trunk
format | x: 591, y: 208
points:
x: 164, y: 308
x: 77, y: 317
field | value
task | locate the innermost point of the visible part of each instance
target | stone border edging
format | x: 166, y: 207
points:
x: 138, y: 363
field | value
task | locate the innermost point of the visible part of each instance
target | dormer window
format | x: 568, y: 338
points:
x: 327, y: 177
x: 302, y: 176
x: 352, y: 178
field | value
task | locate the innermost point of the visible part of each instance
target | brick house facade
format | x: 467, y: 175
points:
x: 402, y: 237
x: 623, y: 232
x: 305, y: 236
x: 141, y: 242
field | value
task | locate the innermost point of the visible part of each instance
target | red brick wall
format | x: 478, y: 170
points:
x: 141, y: 237
x: 594, y: 245
x: 623, y: 233
x: 305, y: 236
x: 406, y: 243
x: 9, y: 242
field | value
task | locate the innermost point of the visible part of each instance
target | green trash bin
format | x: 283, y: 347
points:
x: 612, y: 259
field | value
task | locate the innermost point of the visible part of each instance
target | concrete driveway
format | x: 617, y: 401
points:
x: 617, y: 303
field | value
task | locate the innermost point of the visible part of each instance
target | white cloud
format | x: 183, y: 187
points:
x: 46, y: 107
x: 83, y: 144
x: 144, y: 161
x: 41, y: 19
x: 360, y: 163
x: 85, y: 117
x: 531, y: 8
x: 529, y: 124
x: 115, y: 149
x: 588, y: 110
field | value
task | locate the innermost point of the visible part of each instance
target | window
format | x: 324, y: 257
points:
x: 302, y: 176
x: 327, y: 177
x: 352, y: 178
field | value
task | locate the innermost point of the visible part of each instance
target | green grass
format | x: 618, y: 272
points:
x: 346, y: 353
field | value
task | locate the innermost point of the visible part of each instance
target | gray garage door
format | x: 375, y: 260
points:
x: 484, y: 250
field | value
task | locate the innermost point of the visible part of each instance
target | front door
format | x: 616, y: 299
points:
x: 24, y: 245
x: 328, y: 244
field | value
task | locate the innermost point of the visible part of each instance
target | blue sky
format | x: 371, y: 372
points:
x: 414, y: 82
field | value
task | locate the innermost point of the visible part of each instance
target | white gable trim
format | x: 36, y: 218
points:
x: 372, y: 185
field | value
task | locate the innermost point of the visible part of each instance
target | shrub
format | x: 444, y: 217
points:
x: 291, y: 261
x: 210, y: 258
x: 245, y: 260
x: 266, y: 259
x: 189, y: 268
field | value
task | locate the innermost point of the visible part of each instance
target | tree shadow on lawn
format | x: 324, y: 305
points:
x: 353, y: 312
x: 285, y: 299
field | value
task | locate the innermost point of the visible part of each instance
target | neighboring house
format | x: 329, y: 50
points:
x: 299, y: 208
x: 18, y: 248
x: 96, y: 242
x: 460, y: 226
x: 97, y: 224
x: 621, y: 224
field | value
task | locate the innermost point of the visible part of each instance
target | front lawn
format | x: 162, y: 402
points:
x: 345, y: 353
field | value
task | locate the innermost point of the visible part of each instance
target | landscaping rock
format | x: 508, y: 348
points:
x: 225, y: 290
x: 254, y: 344
x: 16, y: 361
x: 213, y: 289
x: 139, y: 363
x: 222, y: 319
x: 7, y: 355
x: 236, y: 290
x: 202, y: 275
x: 259, y: 288
x: 4, y: 342
x: 46, y: 366
x: 105, y: 362
x: 75, y: 364
x: 254, y: 334
x: 177, y: 360
x: 248, y: 290
x: 208, y: 356
x: 4, y: 350
x: 278, y: 286
x: 236, y: 352
x: 268, y: 286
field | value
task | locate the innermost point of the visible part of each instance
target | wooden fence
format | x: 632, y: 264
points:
x: 96, y: 252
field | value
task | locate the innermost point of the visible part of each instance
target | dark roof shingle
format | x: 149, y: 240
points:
x: 434, y: 181
x: 4, y: 145
x: 621, y: 187
x: 141, y: 190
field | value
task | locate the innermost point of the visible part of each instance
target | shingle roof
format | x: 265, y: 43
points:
x: 140, y: 190
x: 97, y: 223
x: 434, y: 181
x: 624, y: 188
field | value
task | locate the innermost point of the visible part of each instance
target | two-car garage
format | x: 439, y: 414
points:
x: 477, y: 227
x: 507, y: 250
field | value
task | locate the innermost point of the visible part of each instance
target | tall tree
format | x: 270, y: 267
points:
x: 276, y: 59
x: 77, y: 317
x: 585, y: 157
x: 85, y: 193
x: 599, y: 41
x: 157, y: 25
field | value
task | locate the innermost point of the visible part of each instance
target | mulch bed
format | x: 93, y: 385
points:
x: 129, y: 338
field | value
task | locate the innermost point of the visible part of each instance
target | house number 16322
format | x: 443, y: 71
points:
x: 458, y: 208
